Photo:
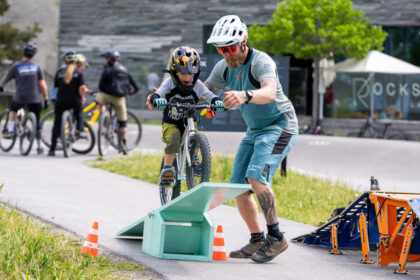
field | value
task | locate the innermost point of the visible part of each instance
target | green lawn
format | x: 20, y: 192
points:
x: 31, y: 250
x: 299, y: 197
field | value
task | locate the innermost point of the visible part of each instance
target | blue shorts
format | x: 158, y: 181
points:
x: 260, y: 154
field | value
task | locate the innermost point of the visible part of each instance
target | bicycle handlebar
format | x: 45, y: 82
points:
x: 195, y: 107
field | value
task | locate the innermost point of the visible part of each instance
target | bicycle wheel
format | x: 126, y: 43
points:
x: 46, y: 128
x: 167, y: 194
x: 28, y: 134
x: 104, y: 133
x: 5, y: 144
x: 134, y: 132
x: 67, y: 132
x: 395, y: 136
x: 199, y: 171
x: 85, y: 145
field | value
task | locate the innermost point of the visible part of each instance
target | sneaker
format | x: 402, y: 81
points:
x: 8, y: 135
x: 248, y: 250
x: 197, y: 168
x: 167, y: 177
x: 39, y: 150
x: 51, y: 153
x: 272, y: 248
x: 124, y: 149
x: 81, y: 135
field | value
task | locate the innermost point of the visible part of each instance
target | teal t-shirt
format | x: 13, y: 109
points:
x: 279, y: 113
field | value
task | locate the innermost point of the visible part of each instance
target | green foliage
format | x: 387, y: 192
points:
x: 12, y: 40
x: 29, y: 250
x: 299, y: 197
x: 317, y: 28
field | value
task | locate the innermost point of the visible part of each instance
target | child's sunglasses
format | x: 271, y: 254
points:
x: 228, y: 49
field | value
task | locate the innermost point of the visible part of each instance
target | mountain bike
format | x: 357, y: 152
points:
x: 25, y: 129
x: 109, y: 133
x: 79, y: 145
x: 380, y: 130
x: 194, y: 155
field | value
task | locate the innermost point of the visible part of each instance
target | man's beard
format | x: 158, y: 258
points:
x: 233, y: 63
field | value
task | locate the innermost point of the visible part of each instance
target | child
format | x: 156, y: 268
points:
x: 182, y: 87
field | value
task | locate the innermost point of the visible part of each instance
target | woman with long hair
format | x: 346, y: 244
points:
x: 71, y: 88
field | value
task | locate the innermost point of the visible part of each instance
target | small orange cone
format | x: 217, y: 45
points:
x: 90, y: 246
x: 219, y: 249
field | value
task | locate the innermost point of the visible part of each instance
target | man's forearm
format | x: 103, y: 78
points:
x: 43, y: 88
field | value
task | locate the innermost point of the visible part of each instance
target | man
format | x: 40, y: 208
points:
x: 30, y: 82
x: 272, y: 130
x: 115, y: 85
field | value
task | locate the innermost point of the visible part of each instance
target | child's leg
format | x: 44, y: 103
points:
x: 168, y: 160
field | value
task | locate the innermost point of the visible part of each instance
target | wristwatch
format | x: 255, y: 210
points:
x: 249, y: 95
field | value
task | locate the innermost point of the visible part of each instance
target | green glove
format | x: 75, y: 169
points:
x: 219, y: 104
x: 160, y: 103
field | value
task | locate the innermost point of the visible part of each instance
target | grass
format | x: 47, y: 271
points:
x: 30, y: 250
x: 300, y: 198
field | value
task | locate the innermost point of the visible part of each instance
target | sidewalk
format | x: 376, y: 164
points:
x: 71, y: 195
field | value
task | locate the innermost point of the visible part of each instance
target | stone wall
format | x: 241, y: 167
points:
x: 145, y: 31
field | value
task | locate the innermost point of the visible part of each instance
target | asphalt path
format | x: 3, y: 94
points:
x: 71, y: 195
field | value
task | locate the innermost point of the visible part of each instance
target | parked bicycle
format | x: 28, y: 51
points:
x: 25, y: 129
x: 109, y: 133
x: 378, y: 129
x: 193, y: 162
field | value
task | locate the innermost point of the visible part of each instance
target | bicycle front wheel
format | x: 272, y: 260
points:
x: 67, y: 133
x: 84, y: 145
x: 28, y: 134
x: 200, y: 168
x: 167, y: 194
x: 46, y: 128
x: 104, y: 133
x: 134, y: 132
x: 5, y: 144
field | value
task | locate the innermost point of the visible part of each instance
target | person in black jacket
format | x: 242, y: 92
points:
x: 71, y: 88
x: 115, y: 85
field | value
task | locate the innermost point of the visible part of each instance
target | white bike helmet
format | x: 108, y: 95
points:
x: 228, y: 30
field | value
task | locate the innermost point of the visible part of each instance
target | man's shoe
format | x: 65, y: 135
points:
x: 39, y: 150
x: 81, y: 135
x: 248, y: 250
x: 167, y: 177
x: 272, y: 248
x: 51, y: 153
x: 197, y: 168
x: 8, y: 135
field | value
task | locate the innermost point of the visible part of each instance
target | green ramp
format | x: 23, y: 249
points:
x: 181, y: 228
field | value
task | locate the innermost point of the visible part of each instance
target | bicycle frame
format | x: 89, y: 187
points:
x: 183, y: 157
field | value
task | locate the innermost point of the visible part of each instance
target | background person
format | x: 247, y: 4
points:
x: 115, y: 85
x: 71, y: 89
x: 272, y: 130
x: 30, y: 82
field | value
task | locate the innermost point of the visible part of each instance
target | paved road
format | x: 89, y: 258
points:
x: 71, y: 195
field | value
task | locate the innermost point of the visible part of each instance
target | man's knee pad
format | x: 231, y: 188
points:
x: 122, y: 124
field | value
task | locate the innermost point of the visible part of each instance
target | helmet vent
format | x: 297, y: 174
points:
x: 240, y: 32
x: 233, y: 20
x: 234, y: 32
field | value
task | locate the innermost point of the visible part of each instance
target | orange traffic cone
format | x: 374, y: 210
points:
x: 219, y: 249
x: 90, y: 246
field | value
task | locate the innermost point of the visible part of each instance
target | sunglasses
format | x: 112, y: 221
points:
x: 228, y: 49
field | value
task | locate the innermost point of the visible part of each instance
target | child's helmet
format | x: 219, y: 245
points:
x: 81, y: 58
x: 70, y: 58
x: 187, y: 61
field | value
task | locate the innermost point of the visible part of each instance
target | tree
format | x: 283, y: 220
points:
x: 12, y: 40
x: 317, y: 29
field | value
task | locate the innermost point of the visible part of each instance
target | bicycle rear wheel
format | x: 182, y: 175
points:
x: 5, y: 144
x: 167, y: 194
x: 134, y: 132
x: 46, y: 128
x: 395, y: 136
x: 104, y: 133
x: 200, y: 169
x: 67, y: 133
x: 85, y: 145
x: 28, y: 135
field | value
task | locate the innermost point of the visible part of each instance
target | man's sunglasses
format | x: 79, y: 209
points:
x: 228, y: 49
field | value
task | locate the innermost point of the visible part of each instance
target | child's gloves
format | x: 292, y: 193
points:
x: 160, y: 103
x: 219, y: 104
